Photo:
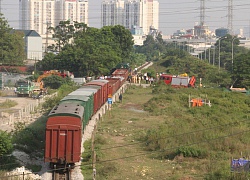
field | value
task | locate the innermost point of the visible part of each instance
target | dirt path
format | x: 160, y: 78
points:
x: 22, y: 102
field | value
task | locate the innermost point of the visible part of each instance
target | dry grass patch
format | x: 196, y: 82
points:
x: 146, y: 142
x: 123, y: 129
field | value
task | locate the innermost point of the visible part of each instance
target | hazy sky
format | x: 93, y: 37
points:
x: 173, y: 15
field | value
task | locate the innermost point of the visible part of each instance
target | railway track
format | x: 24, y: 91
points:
x: 59, y: 175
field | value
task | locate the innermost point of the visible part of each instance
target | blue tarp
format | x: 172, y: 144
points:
x: 238, y: 163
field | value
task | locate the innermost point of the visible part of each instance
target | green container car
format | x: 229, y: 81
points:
x: 89, y: 93
x: 84, y: 101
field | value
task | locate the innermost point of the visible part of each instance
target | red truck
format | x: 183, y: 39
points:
x: 178, y: 81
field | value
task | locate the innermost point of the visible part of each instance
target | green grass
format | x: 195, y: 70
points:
x: 7, y: 104
x: 169, y: 140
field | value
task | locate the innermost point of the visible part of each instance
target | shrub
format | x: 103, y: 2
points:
x: 53, y: 82
x: 108, y: 168
x: 191, y: 151
x: 87, y: 154
x: 6, y: 146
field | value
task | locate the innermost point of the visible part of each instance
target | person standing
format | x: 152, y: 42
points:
x: 147, y: 78
x: 157, y: 77
x: 15, y: 89
x: 139, y: 79
x: 120, y: 98
x: 151, y: 80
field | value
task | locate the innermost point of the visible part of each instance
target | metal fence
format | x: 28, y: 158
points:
x: 26, y: 114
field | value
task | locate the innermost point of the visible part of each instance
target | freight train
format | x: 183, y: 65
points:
x: 68, y: 119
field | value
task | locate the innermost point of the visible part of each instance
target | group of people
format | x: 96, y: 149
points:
x: 138, y: 78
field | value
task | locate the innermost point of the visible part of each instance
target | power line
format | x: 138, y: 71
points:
x: 183, y: 134
x: 143, y: 154
x: 230, y: 17
x: 172, y: 148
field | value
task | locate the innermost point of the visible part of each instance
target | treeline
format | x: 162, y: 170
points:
x: 11, y: 44
x: 173, y: 59
x: 88, y: 51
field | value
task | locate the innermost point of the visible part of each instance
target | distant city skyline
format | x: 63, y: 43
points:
x: 173, y: 15
x: 142, y: 15
x: 38, y: 15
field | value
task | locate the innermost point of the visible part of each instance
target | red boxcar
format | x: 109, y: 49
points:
x: 113, y: 85
x: 104, y: 88
x: 121, y: 73
x: 63, y: 134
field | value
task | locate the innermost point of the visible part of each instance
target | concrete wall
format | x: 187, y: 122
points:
x: 34, y: 48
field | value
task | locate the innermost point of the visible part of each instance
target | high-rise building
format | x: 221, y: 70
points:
x: 112, y: 12
x: 39, y: 14
x: 130, y: 13
x: 153, y: 14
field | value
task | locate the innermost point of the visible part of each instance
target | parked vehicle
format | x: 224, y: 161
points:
x: 178, y: 81
x: 24, y: 87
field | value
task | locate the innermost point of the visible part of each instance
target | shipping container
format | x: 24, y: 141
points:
x: 63, y: 134
x: 83, y: 100
x: 104, y: 88
x: 90, y: 93
x: 121, y: 73
x: 97, y: 95
x: 113, y: 85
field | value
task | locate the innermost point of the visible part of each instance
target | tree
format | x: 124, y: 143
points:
x: 55, y: 81
x: 11, y: 44
x: 152, y: 47
x: 124, y: 39
x: 241, y: 70
x: 90, y: 51
x: 64, y: 34
x: 49, y: 62
x: 6, y: 146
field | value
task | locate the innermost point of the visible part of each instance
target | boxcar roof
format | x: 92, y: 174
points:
x: 120, y: 71
x: 89, y: 90
x: 98, y: 83
x: 83, y: 93
x: 90, y: 87
x: 113, y: 81
x: 116, y: 76
x: 76, y: 97
x: 67, y: 109
x: 100, y: 80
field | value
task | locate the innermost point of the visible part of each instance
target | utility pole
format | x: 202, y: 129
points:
x: 47, y: 36
x: 249, y: 29
x: 93, y: 152
x: 230, y: 17
x: 202, y: 17
x: 205, y: 48
x: 0, y: 6
x: 213, y: 55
